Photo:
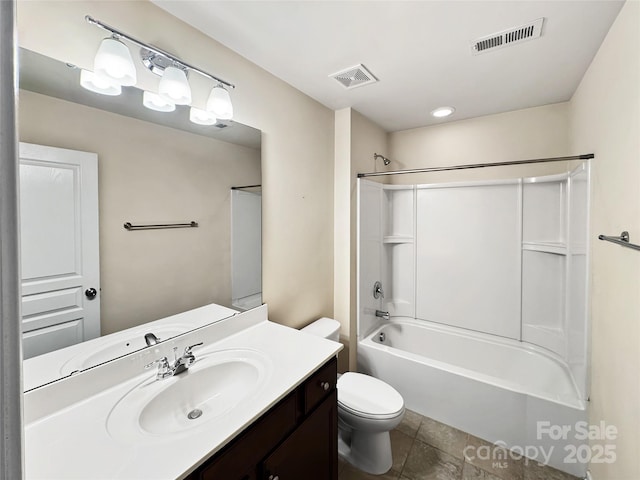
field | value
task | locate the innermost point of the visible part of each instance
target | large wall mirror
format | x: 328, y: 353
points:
x: 153, y: 168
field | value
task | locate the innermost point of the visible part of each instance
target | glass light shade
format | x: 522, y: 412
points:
x: 174, y: 86
x: 113, y: 61
x: 98, y: 84
x: 219, y: 103
x: 154, y: 101
x: 202, y: 117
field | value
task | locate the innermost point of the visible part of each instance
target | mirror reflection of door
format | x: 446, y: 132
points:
x: 246, y: 247
x: 59, y: 247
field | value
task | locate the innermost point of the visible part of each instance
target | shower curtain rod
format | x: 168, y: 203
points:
x: 587, y: 156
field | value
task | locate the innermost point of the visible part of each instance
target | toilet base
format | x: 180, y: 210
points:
x: 369, y: 452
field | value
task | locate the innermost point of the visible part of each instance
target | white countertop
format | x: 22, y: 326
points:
x: 68, y: 438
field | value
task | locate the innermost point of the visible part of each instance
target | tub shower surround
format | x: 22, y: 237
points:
x: 486, y: 286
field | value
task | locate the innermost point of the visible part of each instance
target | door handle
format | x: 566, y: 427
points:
x: 90, y: 293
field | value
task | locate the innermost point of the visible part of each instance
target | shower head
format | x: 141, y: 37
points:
x: 384, y: 159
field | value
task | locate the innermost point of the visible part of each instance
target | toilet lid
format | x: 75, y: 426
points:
x: 367, y: 396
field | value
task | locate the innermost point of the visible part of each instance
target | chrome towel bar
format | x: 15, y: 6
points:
x: 129, y: 226
x: 623, y: 240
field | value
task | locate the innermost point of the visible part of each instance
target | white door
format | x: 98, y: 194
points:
x: 59, y: 247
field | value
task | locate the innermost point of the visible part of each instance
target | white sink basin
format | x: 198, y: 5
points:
x: 215, y: 385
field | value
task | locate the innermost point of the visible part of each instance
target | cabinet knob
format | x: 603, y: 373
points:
x: 325, y: 386
x: 274, y: 477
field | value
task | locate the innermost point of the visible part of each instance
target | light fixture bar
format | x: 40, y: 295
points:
x: 120, y: 34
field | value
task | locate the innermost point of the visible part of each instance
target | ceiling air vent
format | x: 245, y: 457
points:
x: 508, y: 37
x: 355, y: 76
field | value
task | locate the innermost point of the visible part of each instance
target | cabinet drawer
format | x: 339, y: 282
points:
x: 320, y: 385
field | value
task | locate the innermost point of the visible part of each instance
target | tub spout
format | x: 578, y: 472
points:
x: 381, y: 314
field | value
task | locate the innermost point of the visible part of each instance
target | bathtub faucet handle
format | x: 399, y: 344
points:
x: 381, y: 314
x: 377, y: 290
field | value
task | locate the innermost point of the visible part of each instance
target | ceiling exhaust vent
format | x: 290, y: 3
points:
x: 355, y: 76
x: 508, y: 37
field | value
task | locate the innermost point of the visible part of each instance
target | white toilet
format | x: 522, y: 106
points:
x: 368, y: 409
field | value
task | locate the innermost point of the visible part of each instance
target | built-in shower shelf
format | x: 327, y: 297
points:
x: 398, y: 239
x: 557, y: 248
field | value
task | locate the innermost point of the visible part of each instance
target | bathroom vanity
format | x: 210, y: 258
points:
x: 297, y: 438
x: 259, y: 402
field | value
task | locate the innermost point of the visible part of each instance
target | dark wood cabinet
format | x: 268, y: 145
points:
x: 296, y: 439
x: 307, y: 453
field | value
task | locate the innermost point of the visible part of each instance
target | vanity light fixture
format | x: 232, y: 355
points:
x: 174, y: 86
x: 442, y: 112
x: 153, y: 101
x: 202, y: 117
x: 113, y: 61
x: 219, y: 103
x: 98, y: 83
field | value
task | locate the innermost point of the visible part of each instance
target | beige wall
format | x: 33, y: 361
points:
x: 150, y: 173
x: 356, y: 140
x: 297, y: 147
x: 605, y: 119
x: 342, y: 232
x: 538, y: 132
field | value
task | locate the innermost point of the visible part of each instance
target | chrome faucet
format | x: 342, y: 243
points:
x: 167, y: 369
x: 381, y: 314
x: 151, y: 339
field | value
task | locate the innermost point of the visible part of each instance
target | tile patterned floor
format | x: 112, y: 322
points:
x: 424, y: 449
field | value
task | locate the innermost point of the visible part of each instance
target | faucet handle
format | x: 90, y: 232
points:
x: 164, y: 367
x: 377, y: 290
x: 188, y: 358
x: 164, y: 363
x: 187, y: 350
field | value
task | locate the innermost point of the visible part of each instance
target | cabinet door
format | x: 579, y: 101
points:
x: 240, y: 460
x: 310, y: 452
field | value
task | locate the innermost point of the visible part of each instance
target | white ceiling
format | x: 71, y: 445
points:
x: 419, y: 50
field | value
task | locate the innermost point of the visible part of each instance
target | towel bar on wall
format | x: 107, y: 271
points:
x: 129, y: 226
x: 623, y: 240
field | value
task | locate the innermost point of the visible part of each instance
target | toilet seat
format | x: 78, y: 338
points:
x: 365, y: 396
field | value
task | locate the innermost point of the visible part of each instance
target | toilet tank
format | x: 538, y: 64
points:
x: 324, y: 327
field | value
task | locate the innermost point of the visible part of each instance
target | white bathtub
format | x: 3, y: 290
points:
x: 496, y: 389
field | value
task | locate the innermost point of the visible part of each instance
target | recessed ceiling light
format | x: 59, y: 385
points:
x: 442, y: 112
